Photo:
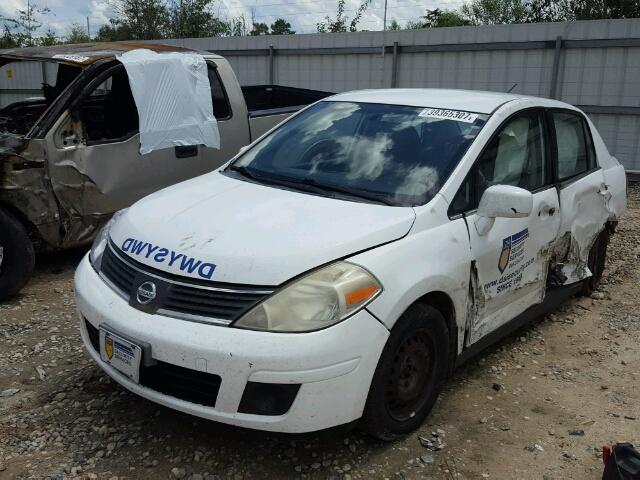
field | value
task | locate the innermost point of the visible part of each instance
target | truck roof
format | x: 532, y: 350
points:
x: 466, y: 100
x: 83, y: 54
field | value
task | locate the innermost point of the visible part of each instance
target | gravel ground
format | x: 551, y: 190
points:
x: 539, y: 405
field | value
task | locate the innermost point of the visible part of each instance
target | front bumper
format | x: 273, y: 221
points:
x: 333, y: 367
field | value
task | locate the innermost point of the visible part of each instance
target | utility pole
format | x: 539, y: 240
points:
x: 88, y: 29
x: 29, y: 22
x: 384, y: 22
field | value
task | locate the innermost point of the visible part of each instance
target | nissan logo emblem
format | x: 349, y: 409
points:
x: 146, y: 293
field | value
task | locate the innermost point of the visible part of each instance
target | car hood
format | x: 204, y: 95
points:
x: 228, y: 230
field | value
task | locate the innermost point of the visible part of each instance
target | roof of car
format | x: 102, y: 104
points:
x: 465, y: 100
x: 84, y: 53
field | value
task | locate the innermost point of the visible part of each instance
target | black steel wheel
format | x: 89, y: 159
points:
x: 409, y: 375
x: 17, y: 257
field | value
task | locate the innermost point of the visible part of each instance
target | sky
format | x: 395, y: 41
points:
x: 302, y: 14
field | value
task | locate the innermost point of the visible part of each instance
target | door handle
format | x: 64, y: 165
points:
x: 549, y: 210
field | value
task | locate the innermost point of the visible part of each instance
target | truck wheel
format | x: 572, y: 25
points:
x: 597, y: 257
x: 410, y: 373
x: 17, y: 258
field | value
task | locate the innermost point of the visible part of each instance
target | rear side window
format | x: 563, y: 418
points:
x: 575, y: 152
x: 515, y: 156
x: 221, y: 109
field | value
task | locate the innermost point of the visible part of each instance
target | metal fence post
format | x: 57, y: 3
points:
x: 394, y: 66
x: 271, y: 73
x: 555, y: 73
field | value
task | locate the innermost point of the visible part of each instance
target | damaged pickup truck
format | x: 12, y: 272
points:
x: 367, y: 246
x: 89, y: 143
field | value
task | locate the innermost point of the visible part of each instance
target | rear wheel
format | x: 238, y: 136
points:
x: 596, y: 261
x: 17, y: 258
x: 409, y: 375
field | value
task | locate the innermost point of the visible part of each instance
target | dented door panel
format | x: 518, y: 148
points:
x: 24, y: 185
x: 510, y: 264
x: 585, y: 211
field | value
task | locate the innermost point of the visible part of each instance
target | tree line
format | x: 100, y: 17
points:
x: 158, y: 19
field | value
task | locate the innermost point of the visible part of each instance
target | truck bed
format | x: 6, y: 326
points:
x: 268, y: 105
x: 271, y: 99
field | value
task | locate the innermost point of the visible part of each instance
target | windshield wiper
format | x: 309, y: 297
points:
x: 354, y: 192
x: 272, y: 179
x: 309, y: 185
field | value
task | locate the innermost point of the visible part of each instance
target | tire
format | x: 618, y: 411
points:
x: 596, y: 261
x: 402, y: 395
x: 18, y: 257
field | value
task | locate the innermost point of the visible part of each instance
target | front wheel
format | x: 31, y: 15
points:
x: 409, y: 375
x: 17, y: 258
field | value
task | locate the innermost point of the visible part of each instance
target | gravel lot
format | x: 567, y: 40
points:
x: 538, y: 405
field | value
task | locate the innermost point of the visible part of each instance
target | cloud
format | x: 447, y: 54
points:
x: 302, y: 14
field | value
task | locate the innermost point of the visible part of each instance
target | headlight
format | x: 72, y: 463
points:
x: 315, y: 301
x: 101, y: 241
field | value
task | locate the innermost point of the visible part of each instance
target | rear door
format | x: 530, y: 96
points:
x: 508, y: 270
x: 94, y: 160
x: 583, y: 192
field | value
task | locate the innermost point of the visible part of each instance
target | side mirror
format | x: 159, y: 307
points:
x: 502, y: 201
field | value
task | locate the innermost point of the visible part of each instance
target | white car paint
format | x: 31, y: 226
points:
x: 263, y: 235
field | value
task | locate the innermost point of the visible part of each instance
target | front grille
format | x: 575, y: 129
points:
x: 179, y: 382
x: 117, y: 271
x: 178, y: 296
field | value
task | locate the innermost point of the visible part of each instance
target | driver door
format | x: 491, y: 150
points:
x: 95, y: 164
x: 508, y: 270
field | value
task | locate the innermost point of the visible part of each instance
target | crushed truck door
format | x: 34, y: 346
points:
x: 510, y: 259
x: 95, y: 163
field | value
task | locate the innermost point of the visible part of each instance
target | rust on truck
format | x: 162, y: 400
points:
x: 26, y: 187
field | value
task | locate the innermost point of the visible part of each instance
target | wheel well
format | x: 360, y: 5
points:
x: 443, y: 303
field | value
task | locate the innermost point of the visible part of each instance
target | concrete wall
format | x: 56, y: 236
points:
x: 592, y: 64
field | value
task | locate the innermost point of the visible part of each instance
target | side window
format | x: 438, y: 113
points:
x: 109, y: 111
x: 515, y: 156
x: 575, y: 152
x: 221, y: 109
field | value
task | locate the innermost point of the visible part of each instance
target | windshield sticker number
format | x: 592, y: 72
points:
x: 443, y: 114
x: 71, y: 58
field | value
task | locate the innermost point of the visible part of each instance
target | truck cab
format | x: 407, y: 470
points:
x: 70, y: 151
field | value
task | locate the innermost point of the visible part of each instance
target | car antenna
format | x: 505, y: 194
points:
x: 514, y: 86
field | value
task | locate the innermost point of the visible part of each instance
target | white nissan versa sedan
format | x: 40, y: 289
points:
x: 342, y: 265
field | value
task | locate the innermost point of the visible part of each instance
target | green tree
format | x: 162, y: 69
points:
x: 49, y: 38
x: 439, y: 18
x: 341, y: 23
x: 143, y: 19
x: 492, y: 12
x: 8, y: 40
x: 259, y: 29
x: 597, y: 9
x: 238, y: 26
x: 76, y: 33
x: 24, y: 26
x: 191, y: 18
x: 394, y: 25
x: 281, y: 27
x: 115, y: 31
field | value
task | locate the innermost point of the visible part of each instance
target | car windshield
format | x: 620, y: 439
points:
x: 391, y: 154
